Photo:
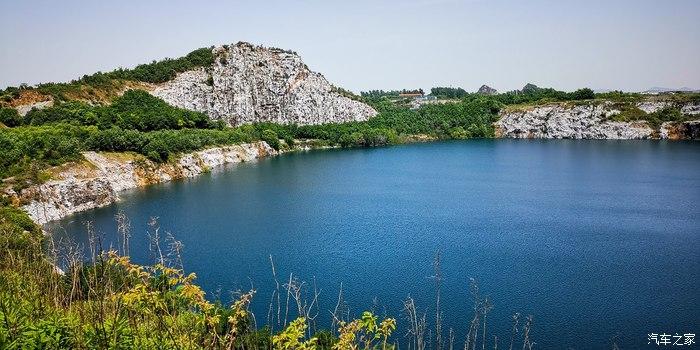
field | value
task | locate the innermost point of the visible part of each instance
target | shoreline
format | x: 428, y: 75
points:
x: 101, y: 177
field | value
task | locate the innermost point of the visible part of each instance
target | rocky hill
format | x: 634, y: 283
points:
x: 247, y: 84
x: 487, y: 90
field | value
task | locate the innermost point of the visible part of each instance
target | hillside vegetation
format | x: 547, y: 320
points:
x: 100, y: 87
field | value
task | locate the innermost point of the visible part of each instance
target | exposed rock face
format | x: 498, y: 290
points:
x: 24, y: 109
x: 578, y: 122
x: 691, y: 108
x: 487, y: 90
x: 81, y: 188
x: 249, y: 84
x: 689, y: 130
x: 653, y: 106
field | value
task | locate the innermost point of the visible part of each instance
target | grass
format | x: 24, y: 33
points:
x: 108, y: 302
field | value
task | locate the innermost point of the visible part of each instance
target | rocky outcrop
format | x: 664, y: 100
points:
x: 653, y: 106
x: 24, y: 109
x: 486, y: 90
x: 569, y: 122
x: 98, y: 182
x: 689, y: 130
x: 249, y: 84
x: 690, y: 108
x: 593, y: 121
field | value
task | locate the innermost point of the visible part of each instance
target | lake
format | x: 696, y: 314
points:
x: 595, y: 239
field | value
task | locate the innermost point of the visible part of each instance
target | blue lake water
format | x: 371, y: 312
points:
x: 593, y: 238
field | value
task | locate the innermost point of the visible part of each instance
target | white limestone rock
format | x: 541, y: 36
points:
x: 653, y: 106
x: 77, y: 190
x: 249, y: 84
x: 558, y: 121
x: 691, y: 108
x: 24, y: 109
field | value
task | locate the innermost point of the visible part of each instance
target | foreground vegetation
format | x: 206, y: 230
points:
x: 109, y: 302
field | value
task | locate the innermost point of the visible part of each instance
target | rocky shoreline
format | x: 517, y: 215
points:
x: 592, y: 121
x: 97, y: 181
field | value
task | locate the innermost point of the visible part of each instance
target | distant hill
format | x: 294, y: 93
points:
x: 658, y: 90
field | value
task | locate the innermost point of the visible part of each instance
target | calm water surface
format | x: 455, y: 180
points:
x: 593, y: 238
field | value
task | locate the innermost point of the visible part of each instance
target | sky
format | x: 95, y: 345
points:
x: 372, y: 44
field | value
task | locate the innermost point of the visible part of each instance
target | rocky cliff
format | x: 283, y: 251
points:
x: 249, y: 84
x: 689, y: 130
x: 591, y: 121
x: 98, y: 181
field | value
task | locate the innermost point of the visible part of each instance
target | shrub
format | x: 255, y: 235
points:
x: 271, y: 138
x: 582, y: 94
x: 10, y: 117
x: 139, y: 110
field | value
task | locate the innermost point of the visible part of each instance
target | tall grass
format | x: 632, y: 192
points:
x: 102, y: 300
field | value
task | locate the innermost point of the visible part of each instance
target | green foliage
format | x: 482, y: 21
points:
x: 136, y: 109
x: 50, y: 333
x: 43, y: 146
x: 139, y: 110
x: 581, y: 94
x: 112, y: 303
x: 620, y: 96
x: 10, y: 117
x: 530, y: 93
x: 448, y: 92
x: 476, y: 113
x: 73, y: 112
x: 10, y: 93
x: 458, y: 133
x: 49, y: 145
x: 100, y: 85
x: 390, y: 93
x: 292, y: 337
x: 271, y: 138
x: 161, y: 71
x: 366, y: 332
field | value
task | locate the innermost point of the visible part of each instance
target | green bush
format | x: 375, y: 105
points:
x: 582, y: 94
x: 136, y: 109
x: 10, y: 117
x: 157, y: 71
x: 73, y: 112
x: 448, y: 92
x: 139, y: 110
x: 271, y: 138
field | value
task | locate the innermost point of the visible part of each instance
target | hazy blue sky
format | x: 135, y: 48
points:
x: 372, y: 44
